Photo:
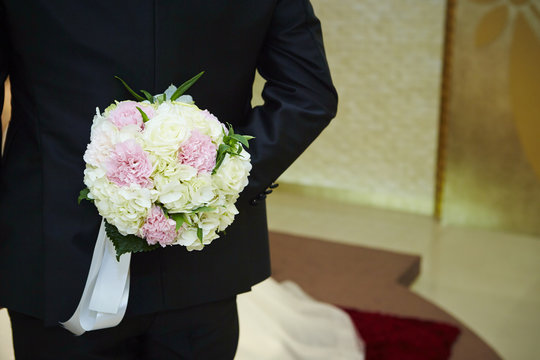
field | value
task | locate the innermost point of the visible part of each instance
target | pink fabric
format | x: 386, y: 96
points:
x: 129, y: 164
x: 126, y: 113
x: 158, y: 228
x: 198, y: 151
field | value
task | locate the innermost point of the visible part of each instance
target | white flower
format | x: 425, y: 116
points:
x: 128, y: 132
x: 174, y: 196
x: 166, y: 131
x: 226, y: 216
x: 201, y: 190
x: 124, y: 207
x: 232, y: 175
x: 188, y: 237
x: 102, y: 139
x: 177, y: 187
x: 208, y: 124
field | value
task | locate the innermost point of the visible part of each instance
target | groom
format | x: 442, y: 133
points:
x: 62, y: 57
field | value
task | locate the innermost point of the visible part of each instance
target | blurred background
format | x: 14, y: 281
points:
x: 435, y: 151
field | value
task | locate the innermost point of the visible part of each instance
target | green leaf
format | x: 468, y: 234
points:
x: 137, y: 96
x: 222, y: 151
x: 83, y: 195
x: 231, y: 130
x: 183, y: 88
x: 200, y: 234
x: 219, y: 161
x: 203, y: 209
x: 223, y: 148
x: 164, y: 210
x: 149, y: 96
x: 126, y: 243
x: 231, y: 145
x: 161, y: 98
x: 144, y: 116
x: 240, y: 138
x: 179, y: 218
x: 231, y: 142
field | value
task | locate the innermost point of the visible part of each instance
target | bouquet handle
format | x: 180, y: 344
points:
x: 105, y: 295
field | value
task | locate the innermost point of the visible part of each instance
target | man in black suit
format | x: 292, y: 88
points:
x: 61, y: 57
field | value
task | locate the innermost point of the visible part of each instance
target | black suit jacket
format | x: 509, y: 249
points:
x: 61, y: 57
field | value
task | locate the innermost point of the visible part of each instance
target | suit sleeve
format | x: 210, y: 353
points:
x: 299, y: 97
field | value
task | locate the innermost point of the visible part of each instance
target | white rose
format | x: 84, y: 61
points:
x: 164, y: 133
x: 232, y: 175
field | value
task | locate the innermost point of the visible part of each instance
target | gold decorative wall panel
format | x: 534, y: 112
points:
x: 385, y: 58
x: 6, y: 111
x: 493, y: 154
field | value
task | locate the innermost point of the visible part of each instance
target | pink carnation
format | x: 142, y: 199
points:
x: 126, y: 113
x: 129, y: 164
x: 158, y: 228
x: 199, y: 152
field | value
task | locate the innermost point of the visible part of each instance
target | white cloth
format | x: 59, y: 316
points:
x: 105, y: 296
x: 280, y: 321
x: 277, y: 320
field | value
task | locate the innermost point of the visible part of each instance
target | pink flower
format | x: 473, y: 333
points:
x: 199, y: 152
x: 129, y: 164
x: 126, y: 113
x: 207, y: 114
x: 158, y: 228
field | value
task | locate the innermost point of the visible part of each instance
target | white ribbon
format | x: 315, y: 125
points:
x: 105, y: 296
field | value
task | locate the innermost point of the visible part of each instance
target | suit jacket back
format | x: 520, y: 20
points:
x: 61, y: 57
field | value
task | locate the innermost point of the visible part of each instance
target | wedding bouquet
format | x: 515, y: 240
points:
x: 161, y: 171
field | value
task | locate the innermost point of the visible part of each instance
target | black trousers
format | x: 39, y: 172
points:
x: 208, y: 331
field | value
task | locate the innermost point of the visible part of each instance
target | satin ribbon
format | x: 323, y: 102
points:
x: 105, y: 296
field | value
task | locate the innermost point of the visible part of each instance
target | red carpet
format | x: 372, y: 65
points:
x: 389, y: 338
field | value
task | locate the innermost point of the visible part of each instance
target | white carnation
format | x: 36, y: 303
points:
x: 102, y: 139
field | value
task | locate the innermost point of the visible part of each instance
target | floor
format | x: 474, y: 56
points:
x: 489, y: 280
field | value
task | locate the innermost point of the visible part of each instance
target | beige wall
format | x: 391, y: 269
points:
x: 386, y: 62
x: 385, y: 58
